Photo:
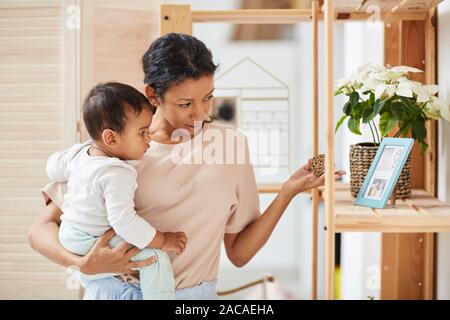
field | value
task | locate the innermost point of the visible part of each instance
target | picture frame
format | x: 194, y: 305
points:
x: 384, y: 172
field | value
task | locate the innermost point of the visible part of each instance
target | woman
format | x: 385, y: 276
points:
x: 183, y: 184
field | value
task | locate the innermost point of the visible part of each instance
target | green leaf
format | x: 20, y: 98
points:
x: 353, y: 125
x: 357, y: 110
x: 386, y: 107
x: 387, y: 123
x: 372, y: 98
x: 341, y: 120
x: 412, y: 107
x: 423, y: 147
x: 378, y: 106
x: 405, y: 129
x: 338, y: 91
x: 407, y: 101
x: 398, y: 110
x: 368, y: 113
x: 347, y: 108
x: 373, y: 108
x: 419, y: 131
x: 354, y: 98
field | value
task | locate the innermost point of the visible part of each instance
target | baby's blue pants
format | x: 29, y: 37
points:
x: 157, y: 281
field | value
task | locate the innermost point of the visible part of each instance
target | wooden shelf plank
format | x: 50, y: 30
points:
x: 420, y: 213
x: 269, y: 188
x: 276, y: 187
x: 384, y: 6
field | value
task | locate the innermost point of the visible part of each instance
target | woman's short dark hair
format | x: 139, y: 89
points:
x: 106, y: 105
x: 173, y: 58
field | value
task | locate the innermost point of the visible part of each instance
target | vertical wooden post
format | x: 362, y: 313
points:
x: 430, y: 78
x: 329, y: 159
x: 315, y: 204
x: 430, y: 156
x: 175, y: 18
x: 390, y: 241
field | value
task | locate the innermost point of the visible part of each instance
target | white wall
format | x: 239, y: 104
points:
x: 443, y: 245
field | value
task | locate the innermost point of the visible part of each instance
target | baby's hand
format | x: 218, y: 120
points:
x: 175, y: 241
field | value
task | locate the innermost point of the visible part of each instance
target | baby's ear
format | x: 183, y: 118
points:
x: 110, y: 138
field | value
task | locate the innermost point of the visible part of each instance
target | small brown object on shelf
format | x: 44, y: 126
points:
x: 318, y: 165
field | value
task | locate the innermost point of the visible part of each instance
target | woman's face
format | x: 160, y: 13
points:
x: 186, y: 104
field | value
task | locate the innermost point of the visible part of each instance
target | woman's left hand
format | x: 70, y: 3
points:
x: 304, y: 179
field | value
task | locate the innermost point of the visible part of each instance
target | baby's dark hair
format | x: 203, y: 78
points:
x: 106, y: 105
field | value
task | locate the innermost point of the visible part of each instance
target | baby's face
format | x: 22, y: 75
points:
x: 135, y: 139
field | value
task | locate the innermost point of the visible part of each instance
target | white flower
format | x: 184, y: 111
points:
x: 379, y: 91
x: 343, y: 85
x: 420, y: 91
x: 371, y: 84
x: 433, y: 109
x: 405, y: 69
x: 423, y: 92
x: 392, y: 75
x: 437, y: 109
x: 389, y: 89
x: 439, y: 105
x: 386, y: 82
x: 383, y: 75
x: 403, y: 79
x: 366, y: 71
x: 432, y: 89
x: 404, y: 90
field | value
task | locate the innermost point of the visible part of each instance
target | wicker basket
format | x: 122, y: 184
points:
x: 361, y: 157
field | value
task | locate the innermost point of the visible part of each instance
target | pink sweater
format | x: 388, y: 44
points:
x: 199, y: 187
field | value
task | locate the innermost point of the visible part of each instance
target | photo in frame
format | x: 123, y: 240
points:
x: 384, y: 172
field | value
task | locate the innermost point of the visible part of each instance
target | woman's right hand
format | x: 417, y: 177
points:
x: 104, y: 259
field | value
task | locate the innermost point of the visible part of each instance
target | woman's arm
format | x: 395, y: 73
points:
x: 242, y: 246
x: 43, y: 238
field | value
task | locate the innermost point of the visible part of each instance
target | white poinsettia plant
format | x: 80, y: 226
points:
x: 390, y: 92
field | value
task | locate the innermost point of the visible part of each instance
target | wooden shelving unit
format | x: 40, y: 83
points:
x: 422, y: 212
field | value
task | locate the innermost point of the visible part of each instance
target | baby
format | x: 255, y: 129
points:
x: 101, y: 178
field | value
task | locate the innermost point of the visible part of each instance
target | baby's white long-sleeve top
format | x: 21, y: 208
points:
x: 100, y: 194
